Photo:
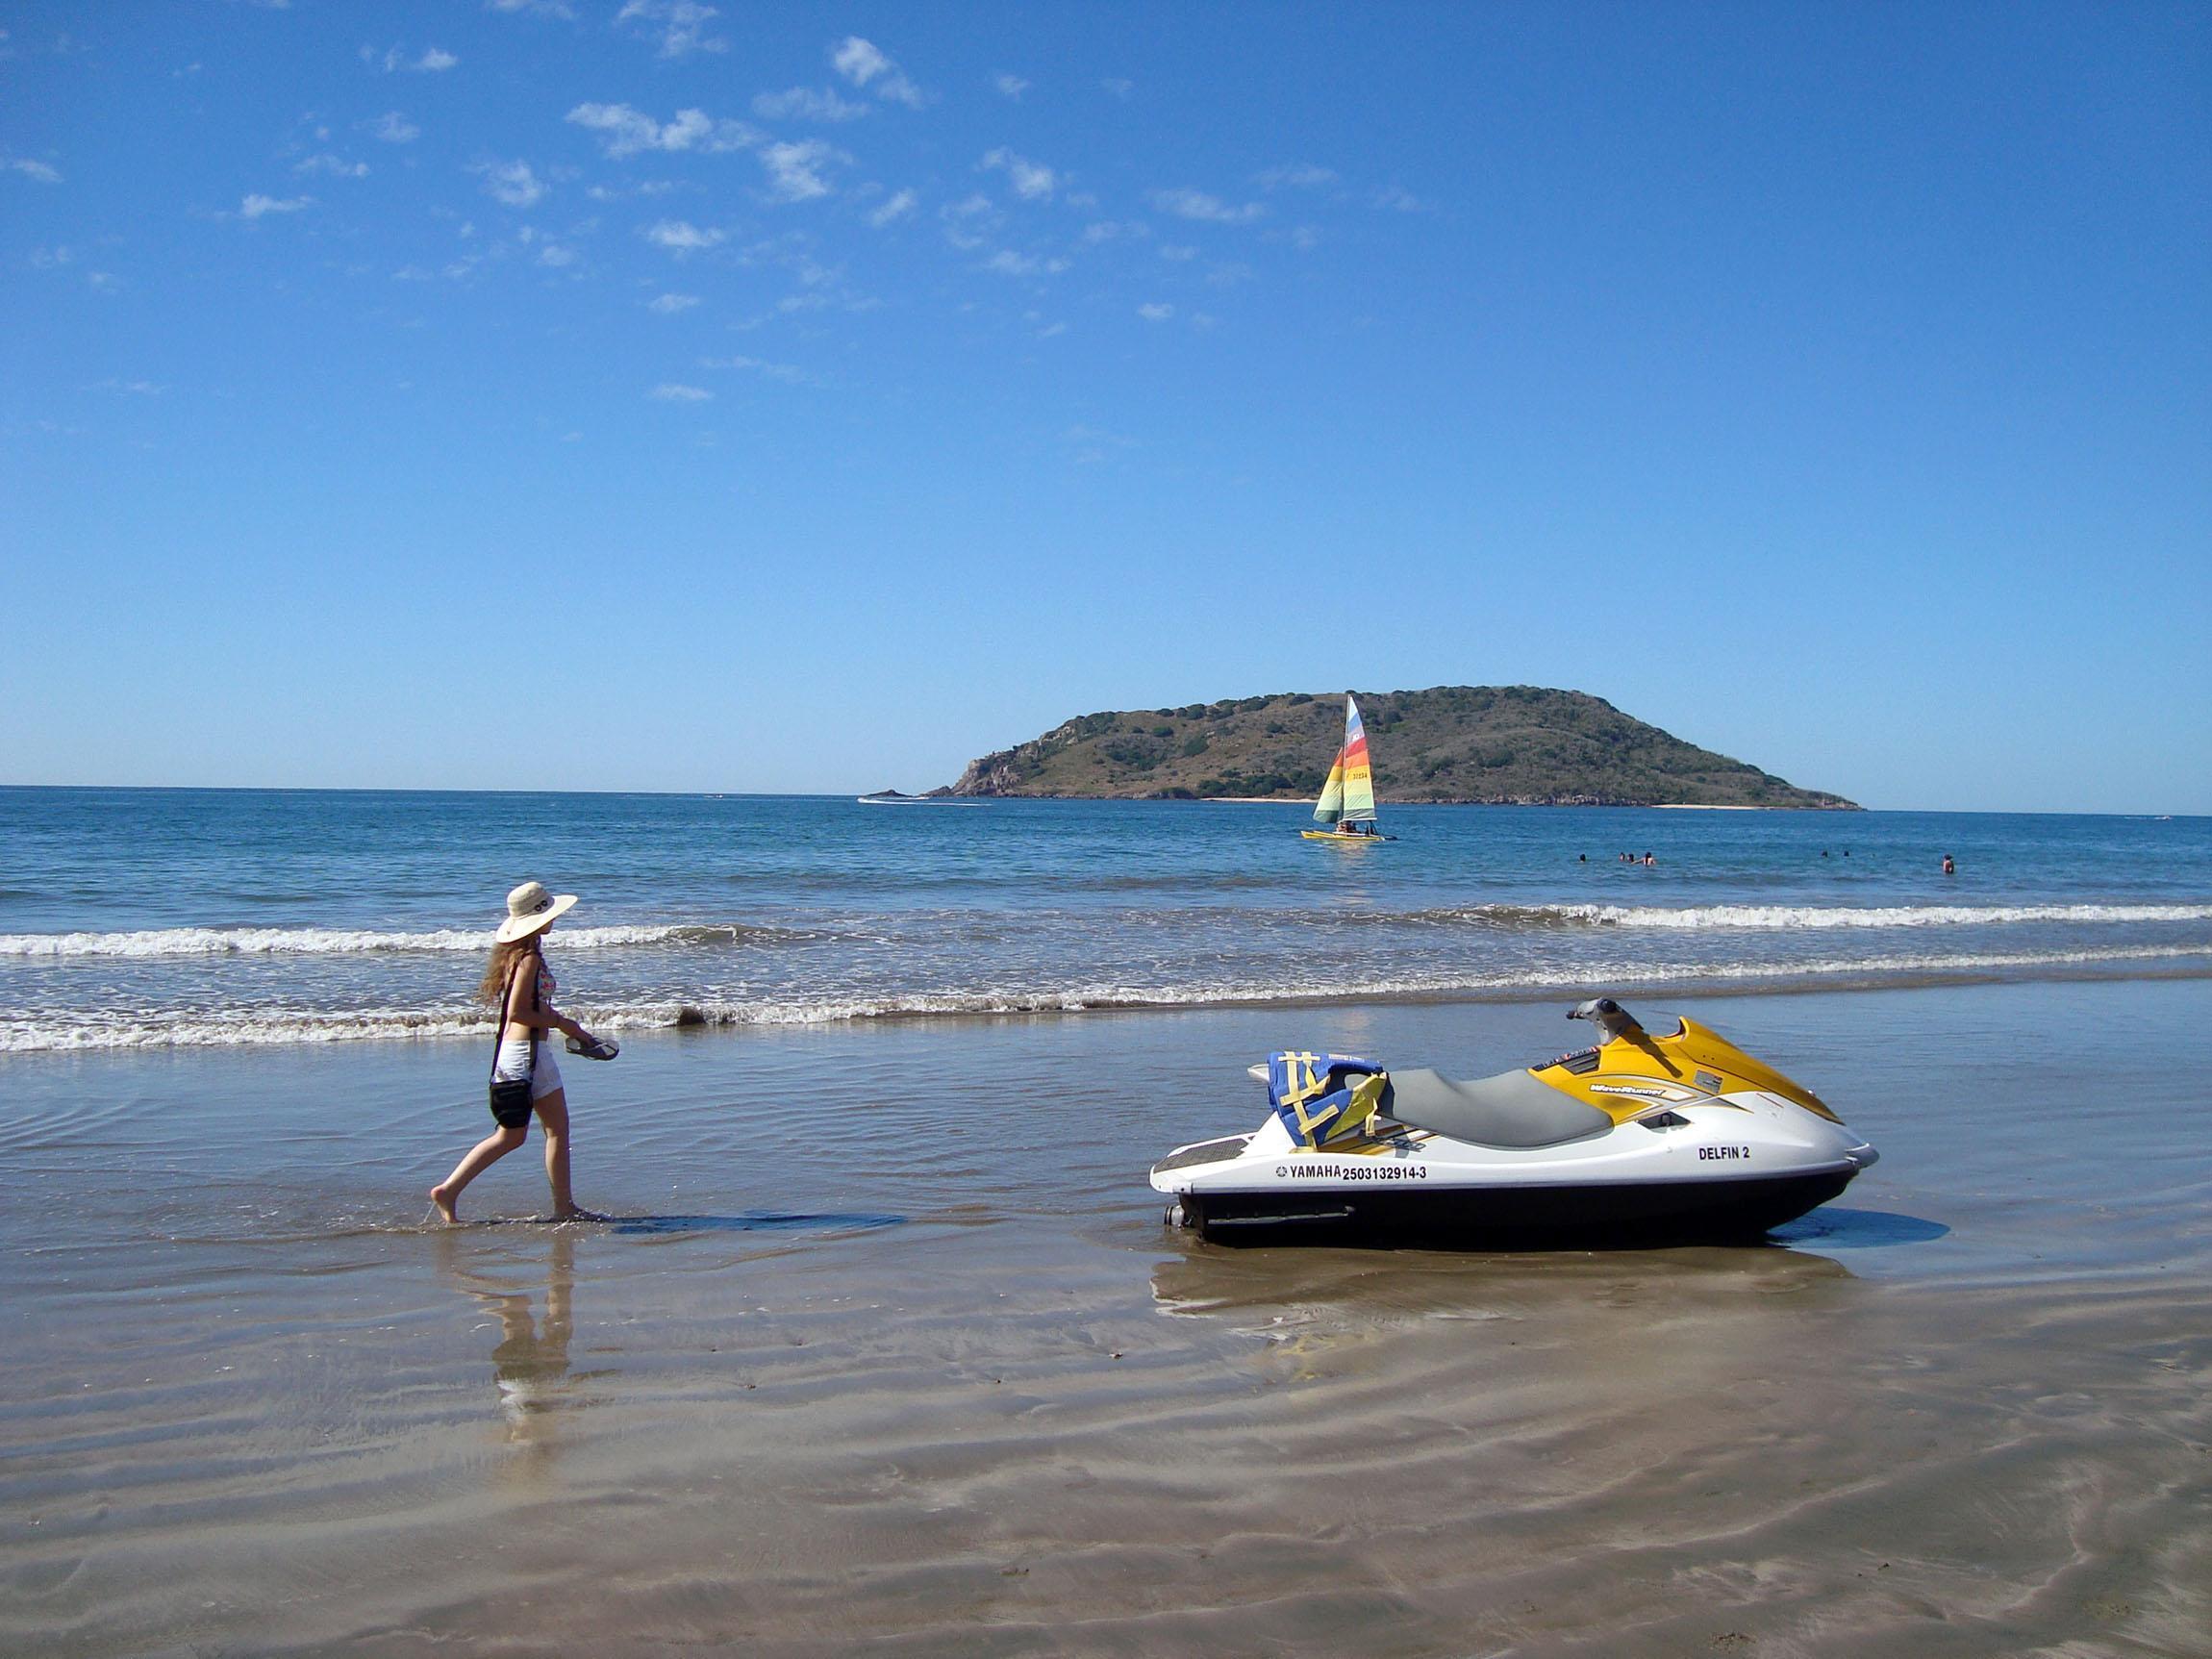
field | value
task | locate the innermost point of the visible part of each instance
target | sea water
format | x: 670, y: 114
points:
x: 160, y: 918
x: 885, y: 1340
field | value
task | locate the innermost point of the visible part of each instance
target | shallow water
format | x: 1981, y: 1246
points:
x: 891, y: 1348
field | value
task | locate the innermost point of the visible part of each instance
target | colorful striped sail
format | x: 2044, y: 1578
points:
x: 1359, y: 785
x: 1331, y: 806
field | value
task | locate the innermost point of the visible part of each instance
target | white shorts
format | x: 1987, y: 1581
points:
x: 514, y: 1064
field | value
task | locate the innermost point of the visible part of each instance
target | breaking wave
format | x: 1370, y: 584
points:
x: 270, y: 1026
x: 186, y: 942
x: 1808, y: 918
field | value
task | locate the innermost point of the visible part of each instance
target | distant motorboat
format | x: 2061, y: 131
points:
x: 1347, y: 803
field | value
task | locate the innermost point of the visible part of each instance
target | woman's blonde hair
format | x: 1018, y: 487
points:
x: 501, y: 965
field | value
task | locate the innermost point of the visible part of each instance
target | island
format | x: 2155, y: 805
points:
x: 1522, y: 745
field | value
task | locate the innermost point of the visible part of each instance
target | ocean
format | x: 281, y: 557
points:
x: 179, y: 918
x: 883, y: 1343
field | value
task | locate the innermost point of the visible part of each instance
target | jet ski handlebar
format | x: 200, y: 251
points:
x: 1608, y: 1015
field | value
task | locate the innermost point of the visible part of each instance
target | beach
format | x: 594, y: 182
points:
x: 890, y: 1349
x: 483, y: 486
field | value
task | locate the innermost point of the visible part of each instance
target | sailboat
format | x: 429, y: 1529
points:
x: 1347, y: 803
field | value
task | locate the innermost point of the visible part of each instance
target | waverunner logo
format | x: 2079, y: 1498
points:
x: 1646, y: 1092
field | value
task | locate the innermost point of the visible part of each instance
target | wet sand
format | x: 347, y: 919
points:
x: 895, y: 1354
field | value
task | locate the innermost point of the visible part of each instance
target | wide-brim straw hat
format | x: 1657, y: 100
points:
x: 531, y: 909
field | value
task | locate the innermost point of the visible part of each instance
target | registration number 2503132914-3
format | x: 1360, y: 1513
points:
x: 1304, y: 1172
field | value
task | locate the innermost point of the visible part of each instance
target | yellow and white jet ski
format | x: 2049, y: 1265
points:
x: 1642, y: 1139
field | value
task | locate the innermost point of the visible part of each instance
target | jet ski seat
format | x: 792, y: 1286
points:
x: 1513, y: 1110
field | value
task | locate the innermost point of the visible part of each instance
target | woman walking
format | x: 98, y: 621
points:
x: 520, y: 986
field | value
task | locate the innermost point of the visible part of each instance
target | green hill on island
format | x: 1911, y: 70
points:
x: 1521, y: 744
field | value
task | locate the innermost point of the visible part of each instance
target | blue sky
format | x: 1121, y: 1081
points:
x: 663, y: 396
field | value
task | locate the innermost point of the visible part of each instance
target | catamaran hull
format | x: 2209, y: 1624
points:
x: 1618, y: 1212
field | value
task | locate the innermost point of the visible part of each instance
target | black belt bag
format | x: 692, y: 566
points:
x: 511, y: 1097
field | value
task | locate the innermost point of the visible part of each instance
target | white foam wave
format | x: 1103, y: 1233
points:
x: 264, y: 1027
x: 1810, y: 918
x: 174, y: 941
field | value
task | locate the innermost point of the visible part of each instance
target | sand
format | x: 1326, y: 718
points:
x: 895, y: 1355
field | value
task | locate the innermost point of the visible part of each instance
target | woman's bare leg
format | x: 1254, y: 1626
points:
x: 446, y: 1194
x: 553, y: 1114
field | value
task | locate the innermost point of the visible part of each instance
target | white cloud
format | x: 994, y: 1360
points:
x: 511, y: 183
x: 1189, y: 204
x: 682, y: 25
x: 783, y: 372
x: 392, y: 59
x: 394, y: 128
x: 254, y: 206
x: 807, y: 104
x: 556, y: 256
x: 669, y: 304
x: 671, y: 392
x: 1032, y: 181
x: 864, y: 63
x: 897, y: 208
x: 32, y: 169
x: 1297, y: 176
x: 129, y: 387
x: 1155, y: 312
x: 1112, y: 230
x: 535, y: 8
x: 793, y: 169
x: 1007, y: 262
x: 682, y: 237
x: 625, y: 132
x: 337, y: 167
x: 966, y: 221
x: 1010, y: 86
x: 1177, y: 251
x: 1398, y: 199
x: 1117, y: 88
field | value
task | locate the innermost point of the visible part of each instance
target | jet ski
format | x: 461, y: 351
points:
x: 1645, y: 1138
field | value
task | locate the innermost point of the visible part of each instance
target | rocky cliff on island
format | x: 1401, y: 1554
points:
x: 1497, y: 744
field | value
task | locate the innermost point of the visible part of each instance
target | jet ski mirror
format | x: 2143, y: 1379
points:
x: 1608, y: 1015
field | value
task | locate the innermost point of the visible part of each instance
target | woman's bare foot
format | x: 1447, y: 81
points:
x: 443, y: 1198
x: 577, y: 1213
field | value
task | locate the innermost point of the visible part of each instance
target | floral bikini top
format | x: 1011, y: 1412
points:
x: 546, y: 986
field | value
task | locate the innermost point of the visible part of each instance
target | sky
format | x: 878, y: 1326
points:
x: 663, y: 396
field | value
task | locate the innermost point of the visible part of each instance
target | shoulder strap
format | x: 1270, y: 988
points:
x: 506, y: 1000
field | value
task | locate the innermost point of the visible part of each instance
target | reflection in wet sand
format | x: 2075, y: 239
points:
x: 1400, y: 1285
x: 530, y: 1359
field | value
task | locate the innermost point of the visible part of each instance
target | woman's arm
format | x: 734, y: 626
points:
x: 524, y: 1009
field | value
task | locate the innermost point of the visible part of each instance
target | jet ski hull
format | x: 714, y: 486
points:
x: 1522, y: 1216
